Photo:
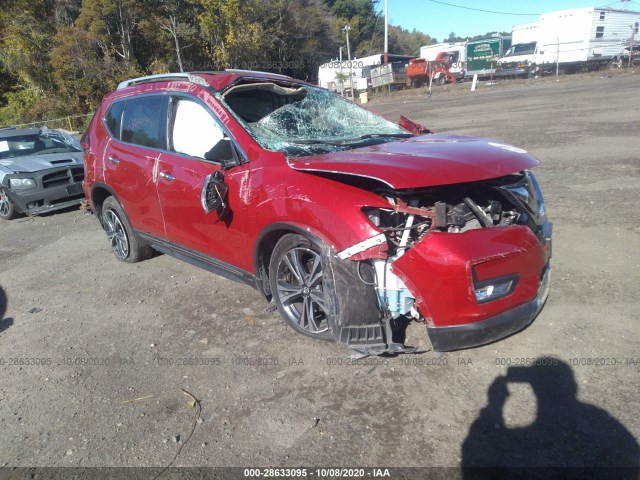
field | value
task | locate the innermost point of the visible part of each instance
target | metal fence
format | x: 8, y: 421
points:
x: 71, y: 123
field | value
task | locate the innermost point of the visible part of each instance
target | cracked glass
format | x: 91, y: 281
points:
x: 308, y: 120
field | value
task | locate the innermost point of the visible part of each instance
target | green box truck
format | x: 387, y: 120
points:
x: 483, y: 55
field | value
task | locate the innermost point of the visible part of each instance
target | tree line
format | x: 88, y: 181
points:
x: 59, y: 57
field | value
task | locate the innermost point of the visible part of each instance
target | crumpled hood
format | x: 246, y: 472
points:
x: 35, y: 163
x: 424, y: 161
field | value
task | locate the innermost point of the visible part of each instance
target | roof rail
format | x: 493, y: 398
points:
x: 164, y: 77
x: 235, y: 70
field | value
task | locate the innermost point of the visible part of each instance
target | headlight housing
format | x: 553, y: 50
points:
x: 22, y: 183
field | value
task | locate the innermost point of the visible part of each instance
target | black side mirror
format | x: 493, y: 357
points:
x: 214, y: 194
x: 223, y: 153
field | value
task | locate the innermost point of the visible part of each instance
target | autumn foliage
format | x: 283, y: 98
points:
x: 59, y: 57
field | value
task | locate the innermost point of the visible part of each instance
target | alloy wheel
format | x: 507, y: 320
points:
x: 5, y: 204
x: 116, y: 234
x: 300, y: 289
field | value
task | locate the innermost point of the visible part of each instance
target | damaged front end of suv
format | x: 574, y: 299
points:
x: 457, y: 236
x: 469, y: 260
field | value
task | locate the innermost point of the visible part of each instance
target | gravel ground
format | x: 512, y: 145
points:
x: 95, y: 355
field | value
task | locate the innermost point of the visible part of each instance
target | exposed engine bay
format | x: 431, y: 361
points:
x: 414, y: 214
x: 454, y: 209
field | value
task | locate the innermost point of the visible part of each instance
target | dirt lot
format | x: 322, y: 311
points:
x: 94, y: 353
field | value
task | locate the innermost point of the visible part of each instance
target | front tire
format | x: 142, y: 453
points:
x: 532, y: 72
x: 297, y: 278
x: 123, y: 241
x: 7, y: 210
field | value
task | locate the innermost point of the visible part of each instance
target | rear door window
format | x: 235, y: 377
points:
x: 144, y: 121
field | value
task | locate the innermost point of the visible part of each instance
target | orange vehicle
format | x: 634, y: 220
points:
x: 420, y: 70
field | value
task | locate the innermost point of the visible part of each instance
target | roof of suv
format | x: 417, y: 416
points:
x: 216, y: 80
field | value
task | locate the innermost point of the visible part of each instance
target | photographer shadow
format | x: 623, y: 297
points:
x: 4, y: 322
x: 569, y: 439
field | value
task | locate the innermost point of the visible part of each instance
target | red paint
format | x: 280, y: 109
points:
x: 438, y: 271
x: 426, y: 161
x: 132, y: 181
x: 269, y: 190
x: 412, y: 126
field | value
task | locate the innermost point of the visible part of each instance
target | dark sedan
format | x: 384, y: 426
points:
x: 41, y: 170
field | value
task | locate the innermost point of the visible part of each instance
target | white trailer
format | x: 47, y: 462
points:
x: 430, y: 52
x: 334, y: 75
x: 585, y: 38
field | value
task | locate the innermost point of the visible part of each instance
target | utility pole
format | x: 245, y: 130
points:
x: 341, y: 77
x: 386, y: 31
x: 346, y: 30
x: 633, y: 32
x: 557, y: 57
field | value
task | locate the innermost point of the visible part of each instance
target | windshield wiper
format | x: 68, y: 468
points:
x: 380, y: 137
x: 349, y: 141
x: 384, y: 135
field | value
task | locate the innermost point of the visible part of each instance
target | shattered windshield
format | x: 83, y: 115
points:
x: 307, y: 120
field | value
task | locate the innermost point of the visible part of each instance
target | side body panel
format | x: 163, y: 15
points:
x: 186, y: 221
x: 130, y: 171
x: 93, y: 142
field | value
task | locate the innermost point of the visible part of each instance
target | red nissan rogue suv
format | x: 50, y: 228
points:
x: 351, y: 224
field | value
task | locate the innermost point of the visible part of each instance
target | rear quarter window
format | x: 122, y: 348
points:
x: 113, y: 119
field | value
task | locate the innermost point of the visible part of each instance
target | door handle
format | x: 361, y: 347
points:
x: 167, y: 176
x: 114, y: 160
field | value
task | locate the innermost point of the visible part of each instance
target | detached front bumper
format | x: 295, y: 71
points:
x: 445, y: 271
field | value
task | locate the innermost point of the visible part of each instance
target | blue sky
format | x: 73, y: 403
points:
x: 438, y: 20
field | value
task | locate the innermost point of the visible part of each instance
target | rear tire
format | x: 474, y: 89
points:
x: 297, y: 278
x: 124, y: 244
x: 7, y: 210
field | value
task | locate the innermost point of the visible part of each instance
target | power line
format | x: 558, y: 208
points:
x: 612, y: 3
x: 486, y: 11
x: 619, y: 1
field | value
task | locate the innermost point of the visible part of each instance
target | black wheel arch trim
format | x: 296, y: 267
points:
x: 261, y: 275
x: 324, y: 248
x: 106, y: 187
x: 358, y: 337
